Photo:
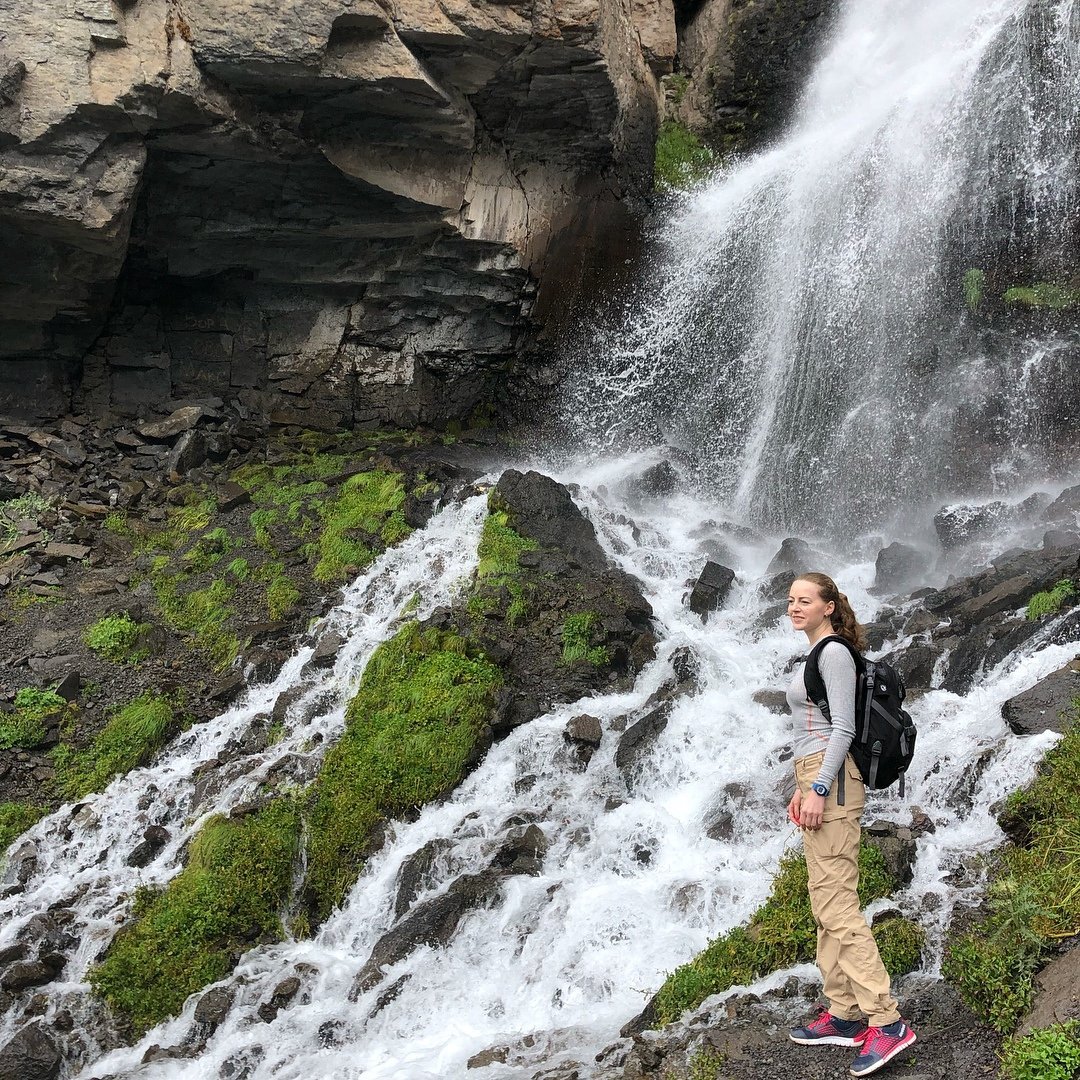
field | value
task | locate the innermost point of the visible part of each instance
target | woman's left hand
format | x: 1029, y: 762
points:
x: 813, y: 807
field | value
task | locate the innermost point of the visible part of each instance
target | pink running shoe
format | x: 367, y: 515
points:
x: 880, y: 1045
x: 829, y: 1030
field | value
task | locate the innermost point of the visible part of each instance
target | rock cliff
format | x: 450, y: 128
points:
x: 337, y: 212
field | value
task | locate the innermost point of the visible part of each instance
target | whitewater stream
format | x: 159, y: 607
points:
x: 806, y: 358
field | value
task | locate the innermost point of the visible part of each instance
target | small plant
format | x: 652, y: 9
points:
x: 25, y: 508
x: 281, y: 596
x: 1045, y: 294
x: 239, y: 568
x: 23, y: 729
x: 974, y: 282
x: 1050, y: 602
x: 113, y: 637
x: 577, y: 633
x: 15, y: 819
x: 1050, y: 1053
x: 117, y: 523
x: 682, y: 159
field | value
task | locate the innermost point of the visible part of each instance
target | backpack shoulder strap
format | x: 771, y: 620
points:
x: 815, y: 685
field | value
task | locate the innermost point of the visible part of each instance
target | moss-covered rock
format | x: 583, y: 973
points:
x: 229, y: 896
x: 421, y: 712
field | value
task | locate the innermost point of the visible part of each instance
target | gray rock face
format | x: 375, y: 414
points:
x: 336, y: 213
x: 30, y: 1055
x: 1047, y: 705
x: 711, y: 588
x: 898, y: 568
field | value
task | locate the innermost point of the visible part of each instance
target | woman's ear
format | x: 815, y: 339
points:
x: 830, y: 609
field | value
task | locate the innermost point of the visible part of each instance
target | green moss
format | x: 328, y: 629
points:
x: 366, y: 514
x: 231, y: 893
x: 974, y: 283
x: 24, y: 728
x: 1044, y: 294
x: 1050, y: 602
x: 675, y: 86
x: 15, y: 819
x: 114, y: 637
x: 498, y: 568
x: 240, y: 569
x: 1033, y: 898
x: 900, y: 942
x: 415, y: 721
x: 131, y: 737
x: 209, y: 550
x: 681, y: 160
x: 203, y: 614
x: 577, y: 636
x: 117, y: 523
x: 780, y: 933
x: 1050, y: 1053
x: 281, y: 595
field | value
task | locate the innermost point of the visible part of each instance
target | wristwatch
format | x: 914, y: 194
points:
x: 820, y: 789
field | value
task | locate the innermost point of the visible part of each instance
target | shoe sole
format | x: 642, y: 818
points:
x: 827, y: 1040
x: 898, y: 1049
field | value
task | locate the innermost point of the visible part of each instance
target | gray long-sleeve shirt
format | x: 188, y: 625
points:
x: 811, y: 731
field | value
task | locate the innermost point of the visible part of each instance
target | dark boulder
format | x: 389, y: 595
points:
x: 416, y: 873
x: 584, y: 730
x: 189, y: 453
x: 30, y: 1055
x: 774, y: 700
x: 637, y: 741
x: 1047, y: 706
x: 154, y: 839
x: 523, y: 850
x: 711, y: 588
x: 432, y: 923
x: 961, y: 523
x: 795, y: 557
x: 25, y: 974
x: 899, y: 568
x: 214, y: 1006
x: 1065, y: 507
x: 897, y: 846
x: 1060, y: 538
x: 541, y: 508
x: 659, y: 480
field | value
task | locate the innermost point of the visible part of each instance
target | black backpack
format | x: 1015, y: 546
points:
x: 884, y: 742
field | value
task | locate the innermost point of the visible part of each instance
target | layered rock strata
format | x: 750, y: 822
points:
x: 336, y: 213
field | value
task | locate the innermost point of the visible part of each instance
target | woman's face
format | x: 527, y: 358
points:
x: 805, y: 607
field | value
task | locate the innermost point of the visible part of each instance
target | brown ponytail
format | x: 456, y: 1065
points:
x: 842, y: 618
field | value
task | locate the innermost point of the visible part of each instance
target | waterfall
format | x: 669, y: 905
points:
x: 815, y: 337
x: 810, y: 343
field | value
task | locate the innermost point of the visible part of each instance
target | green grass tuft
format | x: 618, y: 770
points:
x: 231, y: 894
x: 1050, y: 602
x: 410, y: 730
x: 974, y: 283
x: 114, y: 637
x: 15, y: 819
x: 1033, y: 899
x: 130, y: 738
x: 780, y: 933
x: 1045, y: 294
x: 577, y: 633
x: 202, y: 613
x: 682, y: 159
x: 900, y: 942
x: 24, y: 729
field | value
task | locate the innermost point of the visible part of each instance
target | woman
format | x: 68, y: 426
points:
x: 856, y: 983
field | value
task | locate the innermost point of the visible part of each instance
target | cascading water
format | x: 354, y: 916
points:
x: 810, y: 340
x: 813, y: 281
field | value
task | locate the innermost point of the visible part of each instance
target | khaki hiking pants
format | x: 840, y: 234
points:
x: 856, y: 982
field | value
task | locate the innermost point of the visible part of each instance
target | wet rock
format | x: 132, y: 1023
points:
x: 416, y: 872
x: 174, y: 424
x: 214, y: 1006
x: 655, y: 482
x: 1060, y: 538
x: 896, y: 844
x: 637, y: 741
x: 10, y: 953
x: 391, y: 993
x: 1047, y: 706
x: 432, y: 923
x: 916, y: 664
x: 795, y: 556
x: 154, y: 839
x: 155, y: 1052
x: 24, y: 974
x: 899, y: 568
x: 961, y: 523
x: 542, y: 508
x: 61, y: 553
x: 69, y: 686
x: 774, y: 700
x: 227, y: 687
x: 282, y: 995
x: 711, y: 588
x: 523, y: 850
x: 326, y: 650
x: 30, y: 1055
x: 512, y: 709
x: 584, y: 730
x: 491, y: 1056
x: 1065, y: 507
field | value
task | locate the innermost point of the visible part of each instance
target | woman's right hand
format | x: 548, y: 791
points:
x: 794, y: 808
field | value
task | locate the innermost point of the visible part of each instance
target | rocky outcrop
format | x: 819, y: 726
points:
x: 335, y: 213
x: 1047, y: 706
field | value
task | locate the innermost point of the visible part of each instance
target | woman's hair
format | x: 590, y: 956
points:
x: 842, y: 618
